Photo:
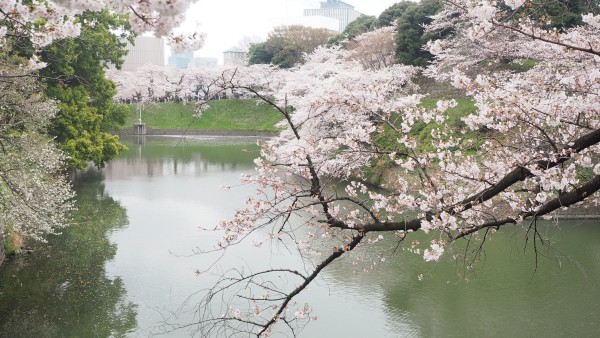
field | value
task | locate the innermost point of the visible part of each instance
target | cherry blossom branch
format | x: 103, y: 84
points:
x: 521, y: 173
x: 561, y: 201
x: 141, y: 17
x: 516, y: 175
x: 576, y: 123
x: 335, y: 255
x: 316, y: 187
x: 532, y: 35
x: 543, y: 132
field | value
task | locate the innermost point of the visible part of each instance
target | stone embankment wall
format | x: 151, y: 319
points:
x: 592, y: 212
x: 2, y: 254
x: 207, y: 132
x: 436, y: 89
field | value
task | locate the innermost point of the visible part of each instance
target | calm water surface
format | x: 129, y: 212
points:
x: 126, y: 266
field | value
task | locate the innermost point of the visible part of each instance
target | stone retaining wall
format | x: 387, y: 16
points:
x: 437, y: 89
x: 2, y: 254
x: 592, y: 212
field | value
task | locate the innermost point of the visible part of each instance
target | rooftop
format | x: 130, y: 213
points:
x: 335, y: 4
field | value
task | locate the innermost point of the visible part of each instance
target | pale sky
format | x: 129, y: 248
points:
x: 226, y: 22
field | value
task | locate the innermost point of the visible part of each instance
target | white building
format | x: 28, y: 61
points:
x: 336, y: 9
x: 147, y: 50
x: 234, y: 57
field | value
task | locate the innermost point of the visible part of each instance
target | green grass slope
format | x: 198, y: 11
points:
x: 231, y: 114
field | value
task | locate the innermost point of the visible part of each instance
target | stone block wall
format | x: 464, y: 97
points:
x: 2, y: 254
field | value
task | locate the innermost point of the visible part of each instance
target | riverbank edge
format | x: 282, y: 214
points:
x: 2, y: 253
x: 197, y: 132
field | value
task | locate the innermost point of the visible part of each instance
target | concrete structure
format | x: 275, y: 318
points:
x: 336, y: 9
x: 139, y: 129
x: 203, y: 62
x: 181, y: 61
x: 234, y: 57
x: 147, y: 50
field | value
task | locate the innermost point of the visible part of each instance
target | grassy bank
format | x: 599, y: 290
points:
x: 222, y: 115
x: 421, y: 131
x: 237, y: 114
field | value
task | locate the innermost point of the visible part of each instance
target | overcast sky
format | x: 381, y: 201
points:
x: 226, y: 22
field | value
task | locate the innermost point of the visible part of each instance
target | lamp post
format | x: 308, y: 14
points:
x: 140, y: 127
x: 140, y: 113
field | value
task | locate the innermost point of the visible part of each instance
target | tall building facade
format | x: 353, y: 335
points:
x: 147, y: 50
x: 336, y: 9
x: 181, y: 61
x: 203, y: 62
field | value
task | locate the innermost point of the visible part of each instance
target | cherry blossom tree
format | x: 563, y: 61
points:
x: 35, y: 197
x: 45, y: 21
x: 126, y: 91
x: 531, y: 148
x: 155, y: 81
x: 152, y: 83
x: 376, y: 49
x: 201, y: 82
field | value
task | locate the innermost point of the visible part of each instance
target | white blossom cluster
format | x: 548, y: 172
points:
x: 35, y: 197
x: 44, y: 21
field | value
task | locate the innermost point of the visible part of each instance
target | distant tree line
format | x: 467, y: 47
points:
x: 286, y: 45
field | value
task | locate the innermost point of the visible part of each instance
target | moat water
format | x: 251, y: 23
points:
x: 127, y: 264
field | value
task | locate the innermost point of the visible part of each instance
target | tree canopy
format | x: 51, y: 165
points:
x: 75, y: 77
x: 258, y: 54
x: 410, y: 17
x: 411, y: 33
x: 375, y: 49
x: 363, y: 24
x: 286, y: 45
x: 391, y: 14
x: 34, y: 196
x: 60, y: 49
x: 560, y: 14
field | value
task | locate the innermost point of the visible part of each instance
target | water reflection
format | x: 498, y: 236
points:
x: 505, y: 295
x: 177, y: 156
x: 171, y: 190
x: 62, y: 290
x: 82, y: 284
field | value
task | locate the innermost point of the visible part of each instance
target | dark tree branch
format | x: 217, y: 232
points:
x: 563, y: 200
x: 516, y: 175
x: 532, y: 35
x: 335, y: 255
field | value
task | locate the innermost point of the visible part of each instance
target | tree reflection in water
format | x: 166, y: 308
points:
x: 62, y: 289
x: 507, y: 292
